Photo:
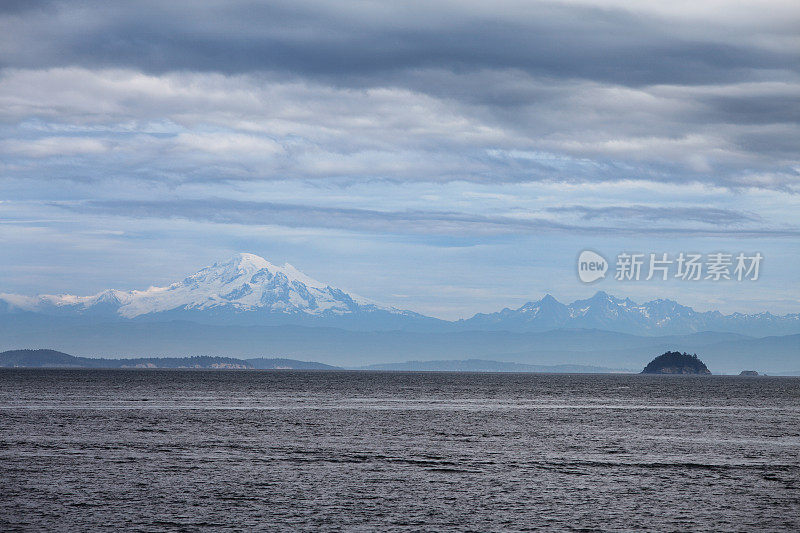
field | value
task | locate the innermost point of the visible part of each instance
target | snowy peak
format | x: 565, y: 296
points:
x: 548, y: 310
x: 607, y: 312
x: 243, y: 265
x: 245, y: 282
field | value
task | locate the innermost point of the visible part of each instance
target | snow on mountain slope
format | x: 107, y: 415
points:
x: 606, y: 312
x: 246, y: 282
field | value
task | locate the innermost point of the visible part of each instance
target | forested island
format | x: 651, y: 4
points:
x: 676, y: 363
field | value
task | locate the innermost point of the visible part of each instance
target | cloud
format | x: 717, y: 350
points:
x: 432, y: 91
x: 193, y: 126
x: 421, y: 222
x: 720, y: 217
x: 588, y: 40
x: 53, y: 146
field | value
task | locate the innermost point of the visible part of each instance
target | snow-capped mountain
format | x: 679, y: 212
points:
x: 605, y: 312
x: 245, y: 289
x: 249, y: 290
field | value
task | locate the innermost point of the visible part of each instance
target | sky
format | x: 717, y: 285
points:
x: 444, y: 157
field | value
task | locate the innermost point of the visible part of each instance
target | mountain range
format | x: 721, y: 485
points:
x: 606, y: 312
x: 248, y: 290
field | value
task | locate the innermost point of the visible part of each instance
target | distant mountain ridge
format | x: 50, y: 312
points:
x: 605, y: 312
x: 249, y: 290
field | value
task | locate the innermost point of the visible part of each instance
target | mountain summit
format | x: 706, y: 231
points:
x: 242, y: 287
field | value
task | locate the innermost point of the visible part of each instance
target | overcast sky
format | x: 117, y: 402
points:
x: 444, y: 157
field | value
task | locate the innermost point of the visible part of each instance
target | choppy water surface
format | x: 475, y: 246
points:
x: 367, y: 451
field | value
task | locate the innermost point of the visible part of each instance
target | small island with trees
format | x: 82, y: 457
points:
x: 676, y: 363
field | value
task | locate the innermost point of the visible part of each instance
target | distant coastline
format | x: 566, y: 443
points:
x: 53, y: 359
x: 44, y: 358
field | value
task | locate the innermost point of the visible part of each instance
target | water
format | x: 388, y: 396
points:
x: 365, y: 451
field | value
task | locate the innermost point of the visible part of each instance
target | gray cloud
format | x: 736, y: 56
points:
x: 706, y: 215
x: 210, y: 127
x: 224, y: 211
x: 522, y: 91
x: 13, y: 7
x: 348, y: 40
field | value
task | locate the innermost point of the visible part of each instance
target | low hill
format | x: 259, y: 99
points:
x: 262, y: 363
x: 40, y: 358
x: 56, y: 359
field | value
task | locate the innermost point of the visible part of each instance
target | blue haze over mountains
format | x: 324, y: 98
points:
x: 248, y: 307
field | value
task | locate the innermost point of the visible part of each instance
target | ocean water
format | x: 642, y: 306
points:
x: 367, y: 451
